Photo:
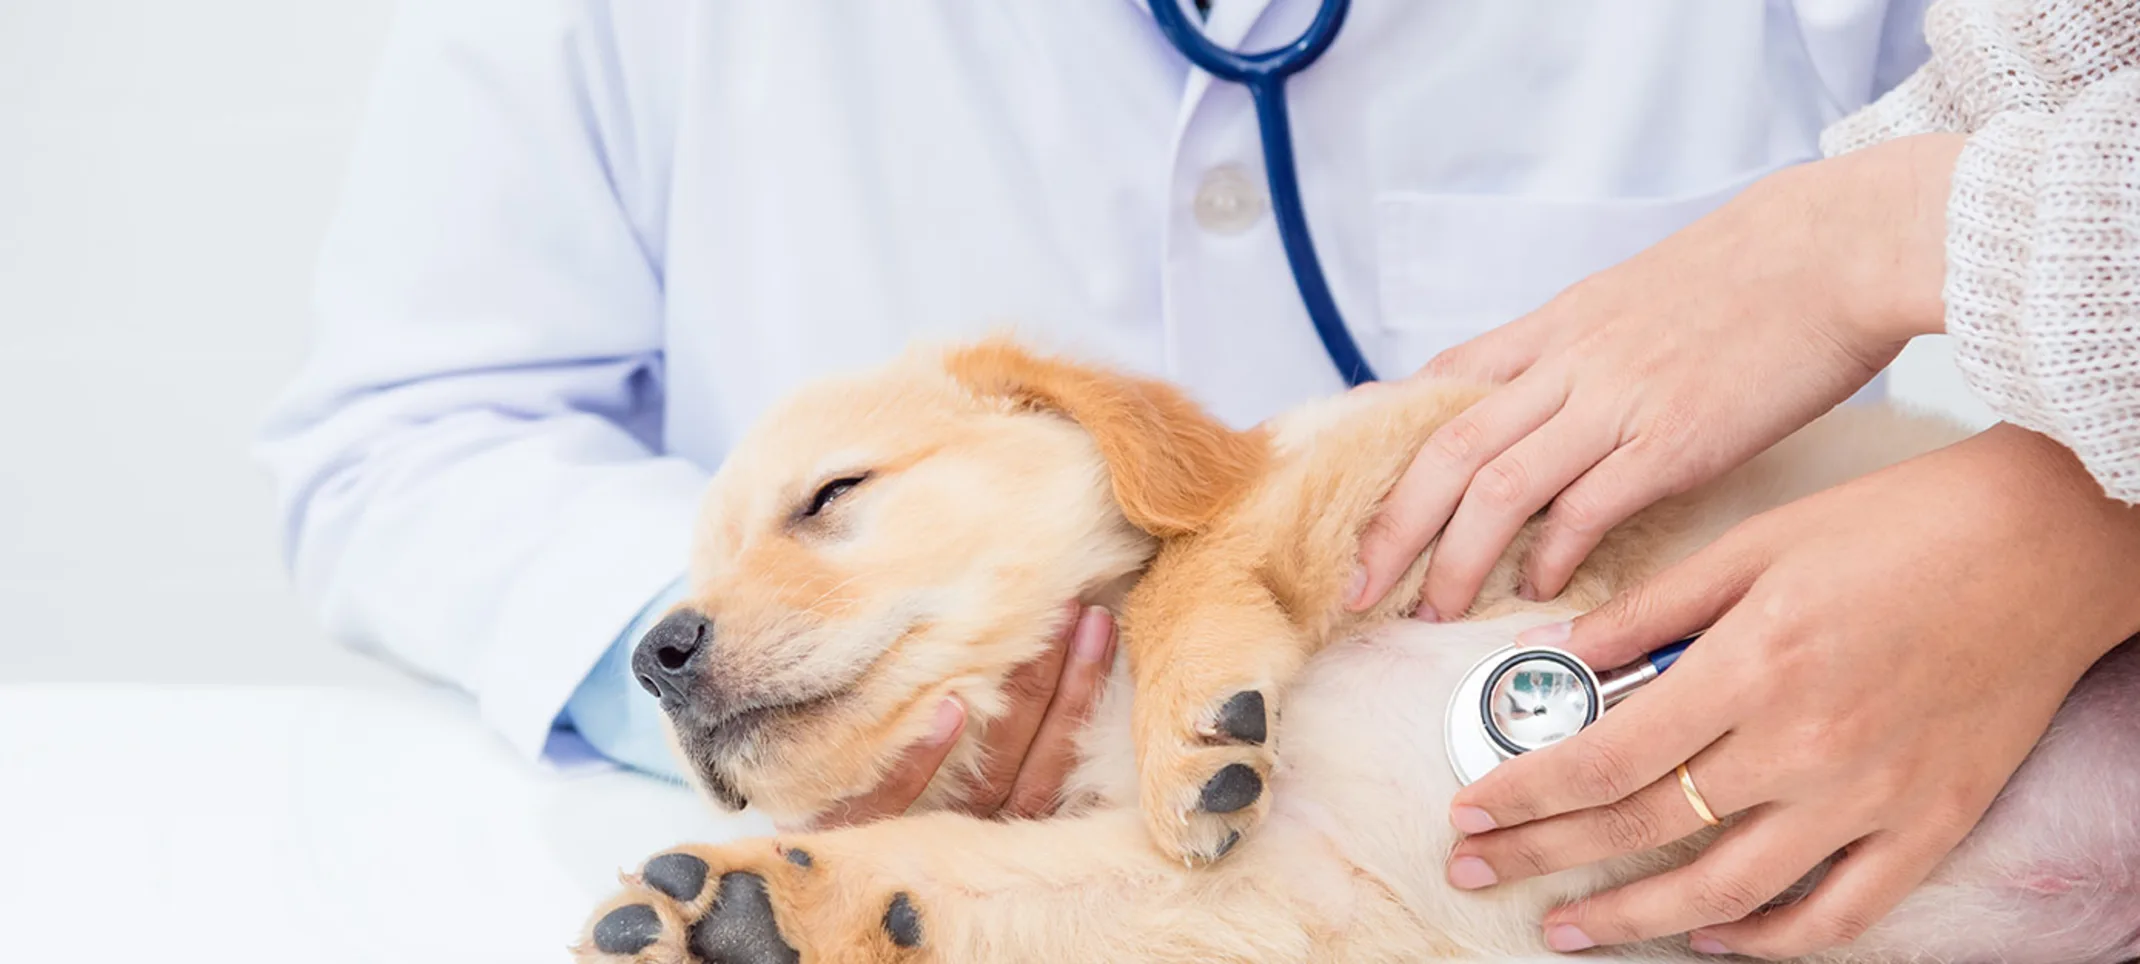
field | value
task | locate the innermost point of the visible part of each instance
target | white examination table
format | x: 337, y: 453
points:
x: 303, y: 826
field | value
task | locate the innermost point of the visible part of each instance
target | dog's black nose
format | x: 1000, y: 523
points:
x: 668, y: 658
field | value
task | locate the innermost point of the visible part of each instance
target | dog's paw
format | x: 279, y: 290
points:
x: 1203, y: 770
x: 754, y: 902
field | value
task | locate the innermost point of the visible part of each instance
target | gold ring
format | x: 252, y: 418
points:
x: 1701, y: 806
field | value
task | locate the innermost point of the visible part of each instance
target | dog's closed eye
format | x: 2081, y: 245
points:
x: 829, y: 492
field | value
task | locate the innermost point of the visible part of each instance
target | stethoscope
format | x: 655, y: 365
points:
x: 1521, y: 699
x: 1264, y: 74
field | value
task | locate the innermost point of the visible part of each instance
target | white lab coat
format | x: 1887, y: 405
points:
x: 584, y: 243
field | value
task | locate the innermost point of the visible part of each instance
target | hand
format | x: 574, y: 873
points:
x: 1881, y: 657
x: 1030, y: 752
x: 1655, y: 376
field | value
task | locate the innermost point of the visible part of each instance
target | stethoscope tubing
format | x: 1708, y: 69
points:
x: 1264, y: 75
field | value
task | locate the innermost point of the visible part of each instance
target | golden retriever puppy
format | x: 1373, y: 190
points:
x: 884, y: 541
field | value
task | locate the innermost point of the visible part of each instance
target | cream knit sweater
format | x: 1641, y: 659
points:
x: 2043, y: 226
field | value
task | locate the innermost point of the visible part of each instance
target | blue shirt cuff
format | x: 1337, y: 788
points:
x: 610, y: 710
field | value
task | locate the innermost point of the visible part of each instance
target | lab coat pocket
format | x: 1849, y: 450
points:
x: 1452, y: 266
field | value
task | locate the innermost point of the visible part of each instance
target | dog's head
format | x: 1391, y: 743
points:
x: 877, y: 543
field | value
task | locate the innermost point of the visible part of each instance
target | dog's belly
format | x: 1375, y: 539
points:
x: 1362, y: 762
x: 2052, y: 874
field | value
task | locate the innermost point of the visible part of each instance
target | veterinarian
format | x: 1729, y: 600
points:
x: 584, y: 243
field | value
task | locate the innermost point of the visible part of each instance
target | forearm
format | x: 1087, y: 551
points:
x: 1885, y: 245
x: 2095, y: 539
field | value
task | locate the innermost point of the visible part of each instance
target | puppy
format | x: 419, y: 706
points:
x: 1264, y: 780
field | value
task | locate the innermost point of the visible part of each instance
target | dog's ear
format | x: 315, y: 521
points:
x: 1173, y: 466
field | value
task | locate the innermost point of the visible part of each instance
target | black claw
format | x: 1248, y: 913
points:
x: 680, y: 876
x: 1242, y: 718
x: 800, y: 858
x: 627, y: 930
x: 902, y: 921
x: 1234, y: 787
x: 740, y: 928
x: 1226, y: 846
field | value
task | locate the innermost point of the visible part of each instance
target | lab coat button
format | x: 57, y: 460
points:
x: 1229, y: 200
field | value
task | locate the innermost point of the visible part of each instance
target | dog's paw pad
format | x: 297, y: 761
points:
x: 1240, y: 719
x: 1204, y: 776
x: 627, y: 930
x: 740, y: 928
x: 681, y: 876
x: 902, y: 923
x: 1235, y: 787
x: 757, y: 902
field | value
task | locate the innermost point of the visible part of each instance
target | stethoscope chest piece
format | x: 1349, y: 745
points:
x: 1520, y: 699
x: 1515, y: 701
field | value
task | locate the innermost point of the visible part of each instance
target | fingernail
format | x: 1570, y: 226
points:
x: 1471, y: 873
x: 1095, y: 630
x: 949, y: 714
x: 1426, y: 613
x: 1568, y: 938
x: 1471, y: 820
x: 1705, y: 944
x: 1356, y: 586
x: 1550, y: 634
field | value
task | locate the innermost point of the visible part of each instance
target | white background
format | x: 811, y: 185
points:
x: 166, y: 170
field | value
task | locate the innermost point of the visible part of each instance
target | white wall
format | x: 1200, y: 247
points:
x: 166, y: 170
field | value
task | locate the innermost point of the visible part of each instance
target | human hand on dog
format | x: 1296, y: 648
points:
x: 1664, y: 372
x: 1880, y: 659
x: 1030, y: 752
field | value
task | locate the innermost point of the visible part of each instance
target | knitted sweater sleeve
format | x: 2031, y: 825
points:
x: 2043, y: 225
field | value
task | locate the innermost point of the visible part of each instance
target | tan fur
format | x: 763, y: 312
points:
x: 1001, y: 483
x: 1173, y: 465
